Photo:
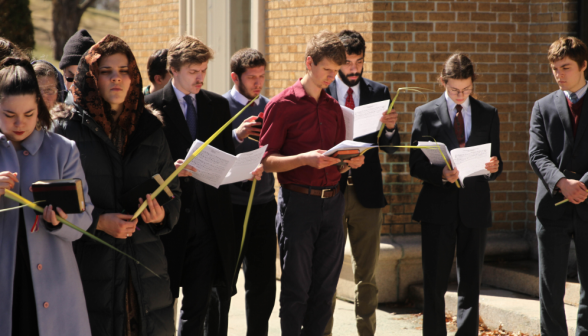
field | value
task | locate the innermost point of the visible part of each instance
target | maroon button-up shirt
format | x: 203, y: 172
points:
x: 296, y: 123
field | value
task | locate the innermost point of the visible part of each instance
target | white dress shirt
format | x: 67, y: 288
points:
x: 466, y: 112
x: 580, y: 93
x: 180, y: 96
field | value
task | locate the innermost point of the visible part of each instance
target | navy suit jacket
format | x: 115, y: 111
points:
x: 444, y: 203
x: 553, y: 149
x: 367, y: 179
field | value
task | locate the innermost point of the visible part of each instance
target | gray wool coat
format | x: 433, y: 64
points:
x: 59, y: 296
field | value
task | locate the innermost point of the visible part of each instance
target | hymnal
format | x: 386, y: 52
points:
x: 130, y: 200
x: 67, y: 194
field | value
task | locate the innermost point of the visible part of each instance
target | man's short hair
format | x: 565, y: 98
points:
x: 569, y: 46
x: 353, y: 42
x: 157, y: 64
x: 326, y: 45
x: 187, y: 50
x: 245, y: 59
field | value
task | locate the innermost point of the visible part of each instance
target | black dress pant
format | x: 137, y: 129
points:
x: 312, y: 245
x: 201, y: 267
x: 440, y: 242
x: 554, y: 248
x: 259, y: 267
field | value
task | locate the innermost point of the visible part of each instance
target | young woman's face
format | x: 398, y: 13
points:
x: 18, y: 117
x: 113, y: 79
x: 49, y: 90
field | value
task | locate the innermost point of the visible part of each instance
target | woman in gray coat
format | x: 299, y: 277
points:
x: 40, y: 288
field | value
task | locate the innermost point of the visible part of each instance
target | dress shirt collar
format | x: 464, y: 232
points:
x: 240, y: 98
x: 342, y: 89
x: 580, y: 93
x: 300, y: 93
x: 180, y: 95
x: 451, y: 105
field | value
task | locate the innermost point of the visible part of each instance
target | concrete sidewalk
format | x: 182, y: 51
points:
x: 392, y: 320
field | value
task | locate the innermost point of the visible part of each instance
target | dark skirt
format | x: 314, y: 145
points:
x: 24, y: 312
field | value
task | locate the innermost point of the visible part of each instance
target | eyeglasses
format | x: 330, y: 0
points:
x: 69, y: 79
x: 456, y: 92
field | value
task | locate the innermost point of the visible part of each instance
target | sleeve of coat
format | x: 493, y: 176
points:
x: 420, y: 167
x: 540, y: 152
x: 172, y: 209
x: 495, y: 141
x: 72, y: 169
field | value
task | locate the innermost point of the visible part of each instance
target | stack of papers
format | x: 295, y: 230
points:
x: 215, y: 167
x: 349, y: 144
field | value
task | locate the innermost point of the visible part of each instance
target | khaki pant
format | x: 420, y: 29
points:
x: 363, y: 225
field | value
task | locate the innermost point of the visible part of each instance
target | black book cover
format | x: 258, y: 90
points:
x: 66, y: 194
x: 130, y: 200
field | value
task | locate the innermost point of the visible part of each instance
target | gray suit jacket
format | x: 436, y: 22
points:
x: 54, y: 269
x: 553, y: 149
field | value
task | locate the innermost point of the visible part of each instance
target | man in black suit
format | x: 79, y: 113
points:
x: 200, y: 250
x: 452, y: 216
x: 362, y: 188
x: 558, y: 153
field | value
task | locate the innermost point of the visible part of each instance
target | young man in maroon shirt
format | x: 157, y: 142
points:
x: 300, y: 124
x: 558, y: 151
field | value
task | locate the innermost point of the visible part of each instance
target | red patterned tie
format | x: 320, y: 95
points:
x: 459, y: 126
x: 349, y: 100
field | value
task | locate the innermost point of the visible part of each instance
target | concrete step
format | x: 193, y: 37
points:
x: 523, y: 277
x: 516, y: 312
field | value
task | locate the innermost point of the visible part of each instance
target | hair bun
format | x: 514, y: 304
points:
x: 16, y: 61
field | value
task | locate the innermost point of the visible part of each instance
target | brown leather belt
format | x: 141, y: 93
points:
x: 323, y: 193
x: 349, y: 180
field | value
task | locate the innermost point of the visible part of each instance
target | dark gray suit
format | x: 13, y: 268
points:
x: 553, y: 150
x: 452, y: 217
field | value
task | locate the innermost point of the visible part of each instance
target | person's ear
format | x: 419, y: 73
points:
x: 308, y: 63
x: 235, y: 78
x: 584, y: 66
x: 157, y: 79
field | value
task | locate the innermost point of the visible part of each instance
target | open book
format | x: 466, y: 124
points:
x: 348, y: 149
x: 215, y: 167
x: 364, y: 119
x: 470, y: 161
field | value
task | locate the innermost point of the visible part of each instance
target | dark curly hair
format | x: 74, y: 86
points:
x: 353, y: 42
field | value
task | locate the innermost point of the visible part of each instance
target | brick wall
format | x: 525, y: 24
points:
x: 148, y: 25
x: 407, y: 44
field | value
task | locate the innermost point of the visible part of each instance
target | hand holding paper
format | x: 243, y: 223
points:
x: 389, y: 119
x: 186, y: 171
x: 318, y: 159
x: 257, y: 173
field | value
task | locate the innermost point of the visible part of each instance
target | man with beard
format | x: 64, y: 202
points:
x: 200, y: 251
x: 362, y: 187
x: 259, y: 248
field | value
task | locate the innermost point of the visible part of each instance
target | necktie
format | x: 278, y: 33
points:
x: 458, y: 125
x: 573, y: 98
x: 191, y: 116
x: 349, y: 100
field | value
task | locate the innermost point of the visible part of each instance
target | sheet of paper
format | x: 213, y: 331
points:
x: 348, y: 117
x: 349, y: 144
x: 366, y: 118
x: 433, y: 153
x: 470, y: 161
x: 245, y: 164
x: 212, y: 164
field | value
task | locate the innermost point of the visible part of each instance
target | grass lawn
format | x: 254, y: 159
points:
x: 98, y: 22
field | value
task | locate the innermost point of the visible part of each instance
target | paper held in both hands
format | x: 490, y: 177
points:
x: 215, y: 167
x: 470, y: 161
x: 364, y: 119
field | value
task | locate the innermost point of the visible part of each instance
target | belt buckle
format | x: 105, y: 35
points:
x: 348, y: 181
x: 323, y: 193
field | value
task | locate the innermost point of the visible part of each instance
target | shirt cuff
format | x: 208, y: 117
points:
x: 389, y: 134
x: 236, y: 137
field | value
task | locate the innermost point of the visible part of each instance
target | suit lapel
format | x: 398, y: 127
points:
x: 366, y: 95
x: 562, y: 109
x: 173, y: 111
x: 583, y: 124
x: 443, y: 115
x: 206, y: 125
x: 476, y: 115
x: 332, y: 90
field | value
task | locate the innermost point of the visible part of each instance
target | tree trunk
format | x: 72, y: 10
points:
x: 66, y: 19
